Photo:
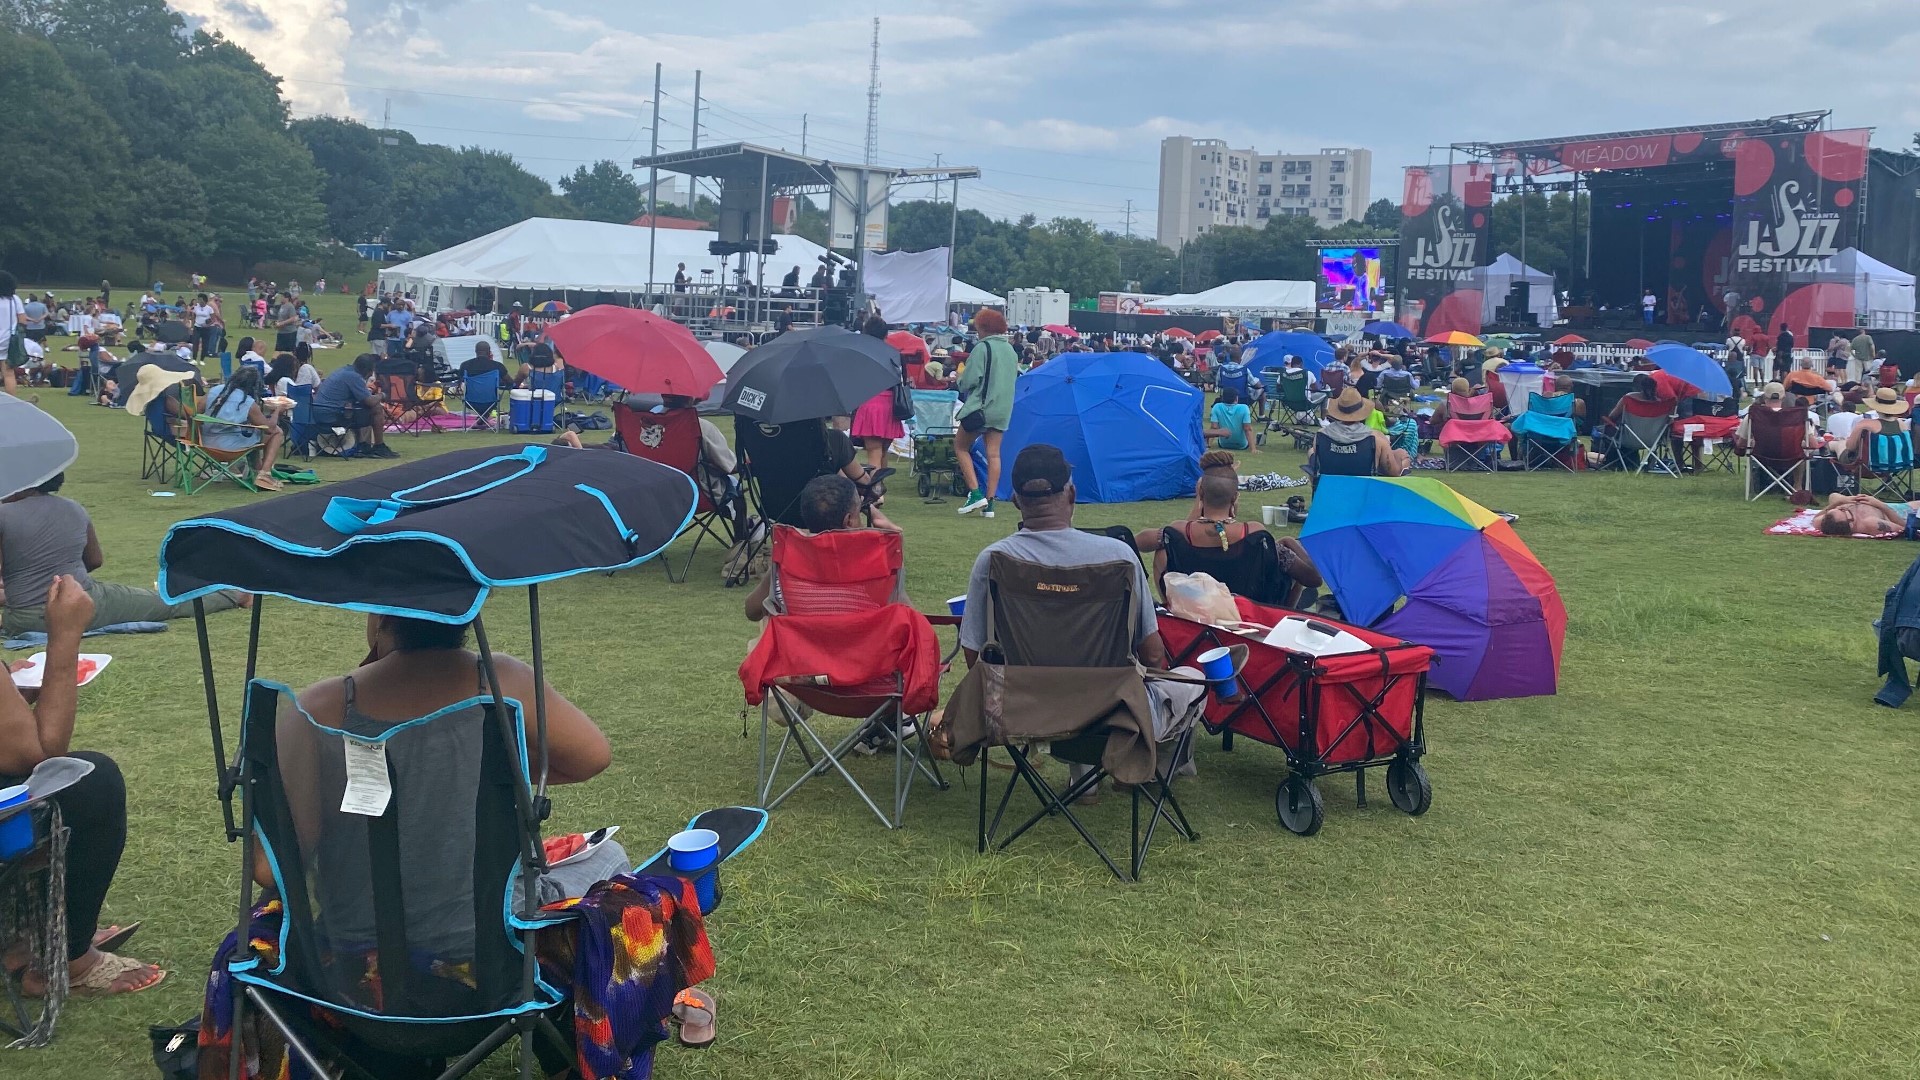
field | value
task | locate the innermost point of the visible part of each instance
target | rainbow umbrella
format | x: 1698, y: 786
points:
x: 1413, y: 558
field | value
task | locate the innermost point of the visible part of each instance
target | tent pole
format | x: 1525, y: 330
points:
x: 760, y: 263
x: 953, y: 232
x: 653, y: 182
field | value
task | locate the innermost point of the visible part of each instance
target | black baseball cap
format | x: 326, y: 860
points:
x: 1041, y: 470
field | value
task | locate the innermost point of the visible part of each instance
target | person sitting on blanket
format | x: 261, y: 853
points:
x: 44, y: 535
x: 36, y: 725
x: 1216, y: 522
x: 1864, y: 515
x: 829, y: 503
x: 1043, y: 492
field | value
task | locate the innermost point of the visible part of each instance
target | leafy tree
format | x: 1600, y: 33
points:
x: 1383, y: 217
x: 605, y: 192
x: 1552, y: 239
x: 1066, y: 253
x: 166, y: 213
x: 262, y: 193
x: 450, y: 196
x: 358, y: 191
x: 1155, y: 266
x: 60, y: 187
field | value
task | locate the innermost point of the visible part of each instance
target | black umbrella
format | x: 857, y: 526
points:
x: 127, y: 374
x: 429, y: 539
x: 809, y: 374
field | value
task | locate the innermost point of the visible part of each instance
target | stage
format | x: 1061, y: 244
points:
x: 1743, y: 227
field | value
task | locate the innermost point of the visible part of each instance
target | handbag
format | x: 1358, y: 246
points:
x: 176, y: 1049
x: 902, y: 401
x: 16, y: 344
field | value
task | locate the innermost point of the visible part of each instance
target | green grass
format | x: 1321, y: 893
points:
x: 1696, y: 861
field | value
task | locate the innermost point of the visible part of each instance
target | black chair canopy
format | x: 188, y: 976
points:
x: 429, y: 539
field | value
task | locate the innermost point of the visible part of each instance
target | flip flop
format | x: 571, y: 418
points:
x: 114, y: 938
x: 694, y: 1009
x: 100, y: 979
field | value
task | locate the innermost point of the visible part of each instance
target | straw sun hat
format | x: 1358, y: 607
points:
x: 1888, y: 402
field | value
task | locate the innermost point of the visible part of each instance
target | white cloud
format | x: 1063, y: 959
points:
x: 304, y: 42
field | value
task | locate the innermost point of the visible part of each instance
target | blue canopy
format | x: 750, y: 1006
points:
x: 1691, y: 365
x: 1129, y: 426
x: 1392, y: 330
x: 1272, y: 350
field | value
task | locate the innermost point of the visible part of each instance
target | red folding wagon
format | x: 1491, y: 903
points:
x: 1329, y: 714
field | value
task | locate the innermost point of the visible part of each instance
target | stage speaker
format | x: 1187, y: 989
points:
x: 743, y: 209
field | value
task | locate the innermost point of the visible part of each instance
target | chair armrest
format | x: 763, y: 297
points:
x: 943, y: 620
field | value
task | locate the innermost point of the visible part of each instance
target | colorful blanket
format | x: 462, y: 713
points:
x: 1801, y: 524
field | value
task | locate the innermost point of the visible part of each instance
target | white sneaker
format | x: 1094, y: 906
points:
x: 977, y: 501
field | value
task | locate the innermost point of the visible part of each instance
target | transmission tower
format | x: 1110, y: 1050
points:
x: 873, y: 98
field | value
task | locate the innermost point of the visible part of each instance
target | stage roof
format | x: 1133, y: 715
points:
x: 1785, y: 123
x: 743, y: 162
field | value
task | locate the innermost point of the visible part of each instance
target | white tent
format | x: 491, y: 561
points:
x: 1278, y: 297
x: 1494, y: 282
x: 1882, y: 293
x: 964, y: 293
x: 554, y: 255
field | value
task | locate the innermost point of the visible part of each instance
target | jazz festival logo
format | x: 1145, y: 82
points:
x: 1447, y: 255
x: 1796, y: 242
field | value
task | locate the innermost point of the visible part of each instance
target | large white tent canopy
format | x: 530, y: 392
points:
x: 1883, y: 294
x: 1277, y: 297
x: 554, y: 255
x: 1497, y: 280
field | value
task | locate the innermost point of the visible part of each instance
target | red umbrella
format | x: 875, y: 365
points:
x: 909, y: 345
x: 1180, y: 331
x: 1570, y: 339
x: 1209, y: 335
x: 1639, y: 343
x: 638, y: 351
x: 1061, y: 331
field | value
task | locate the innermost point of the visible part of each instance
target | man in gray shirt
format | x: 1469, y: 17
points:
x: 44, y: 535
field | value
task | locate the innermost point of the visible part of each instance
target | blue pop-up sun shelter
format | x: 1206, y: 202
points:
x: 1129, y: 426
x: 1272, y: 350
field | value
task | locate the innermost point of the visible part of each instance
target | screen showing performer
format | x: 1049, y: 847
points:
x: 1351, y: 279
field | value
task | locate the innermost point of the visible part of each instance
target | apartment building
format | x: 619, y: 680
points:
x: 1204, y: 184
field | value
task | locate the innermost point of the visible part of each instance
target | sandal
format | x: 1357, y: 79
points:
x: 109, y: 938
x: 694, y: 1009
x: 112, y: 971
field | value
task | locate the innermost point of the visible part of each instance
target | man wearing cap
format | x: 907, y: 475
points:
x: 1043, y: 492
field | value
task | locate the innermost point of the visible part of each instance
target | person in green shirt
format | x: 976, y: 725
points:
x: 987, y: 387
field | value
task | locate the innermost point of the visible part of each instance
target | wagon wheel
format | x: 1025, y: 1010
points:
x: 1299, y: 805
x: 1408, y: 787
x: 960, y: 485
x: 926, y: 485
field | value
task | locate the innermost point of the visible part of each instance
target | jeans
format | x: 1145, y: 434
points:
x: 115, y: 603
x: 95, y: 814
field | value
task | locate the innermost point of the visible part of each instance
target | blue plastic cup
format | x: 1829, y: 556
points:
x: 16, y: 832
x: 694, y: 850
x: 1217, y: 666
x: 957, y: 605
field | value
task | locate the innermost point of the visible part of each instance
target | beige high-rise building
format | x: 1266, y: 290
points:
x: 1204, y: 184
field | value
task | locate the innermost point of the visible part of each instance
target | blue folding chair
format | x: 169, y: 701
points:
x: 314, y: 429
x: 480, y: 402
x: 1545, y: 432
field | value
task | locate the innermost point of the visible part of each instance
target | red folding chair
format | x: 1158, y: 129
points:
x: 1775, y: 450
x: 672, y: 438
x: 842, y: 642
x: 1471, y: 434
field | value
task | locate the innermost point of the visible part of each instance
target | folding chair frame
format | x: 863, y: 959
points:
x: 1159, y: 792
x: 1468, y: 456
x: 1304, y: 765
x: 1791, y: 477
x: 42, y: 872
x: 159, y: 459
x: 1891, y: 484
x: 711, y: 522
x: 908, y: 763
x: 1534, y: 457
x: 1657, y: 458
x: 530, y: 807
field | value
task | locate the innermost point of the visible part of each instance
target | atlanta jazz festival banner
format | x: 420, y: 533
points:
x: 1795, y: 205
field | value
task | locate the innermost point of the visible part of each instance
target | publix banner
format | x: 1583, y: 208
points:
x: 1444, y: 237
x: 1796, y: 205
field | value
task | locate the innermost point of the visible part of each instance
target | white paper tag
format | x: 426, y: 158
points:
x: 368, y: 787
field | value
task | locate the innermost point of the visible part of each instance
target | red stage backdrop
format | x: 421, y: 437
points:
x: 1444, y: 231
x: 1796, y: 204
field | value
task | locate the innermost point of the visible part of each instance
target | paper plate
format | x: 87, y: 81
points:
x: 28, y: 677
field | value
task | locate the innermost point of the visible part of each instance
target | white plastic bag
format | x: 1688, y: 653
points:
x: 1200, y: 598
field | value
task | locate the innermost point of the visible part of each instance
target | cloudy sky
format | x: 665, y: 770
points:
x: 1063, y: 102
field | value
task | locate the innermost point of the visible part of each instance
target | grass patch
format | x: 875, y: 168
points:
x: 1689, y: 863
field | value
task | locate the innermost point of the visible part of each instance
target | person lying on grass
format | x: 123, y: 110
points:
x: 36, y: 725
x: 1864, y: 515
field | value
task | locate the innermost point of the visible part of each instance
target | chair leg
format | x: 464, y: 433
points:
x: 1052, y: 802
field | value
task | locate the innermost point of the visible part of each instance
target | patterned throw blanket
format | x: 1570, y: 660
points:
x: 631, y: 945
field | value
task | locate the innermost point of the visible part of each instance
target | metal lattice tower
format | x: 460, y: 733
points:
x: 873, y: 98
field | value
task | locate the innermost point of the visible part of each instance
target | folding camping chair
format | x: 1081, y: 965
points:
x: 405, y: 412
x: 1471, y: 436
x: 1887, y: 471
x: 1072, y: 629
x: 159, y: 444
x: 480, y: 402
x: 33, y: 906
x: 1644, y: 429
x: 1775, y: 451
x: 1252, y: 571
x: 1395, y: 385
x: 309, y: 432
x: 776, y: 461
x: 1544, y: 434
x: 844, y: 644
x: 199, y: 465
x: 1343, y: 459
x: 672, y: 438
x: 1293, y: 407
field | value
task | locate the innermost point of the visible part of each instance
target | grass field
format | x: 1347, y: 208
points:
x: 1698, y: 860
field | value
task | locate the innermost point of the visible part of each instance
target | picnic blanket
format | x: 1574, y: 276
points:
x: 34, y: 639
x: 1801, y: 524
